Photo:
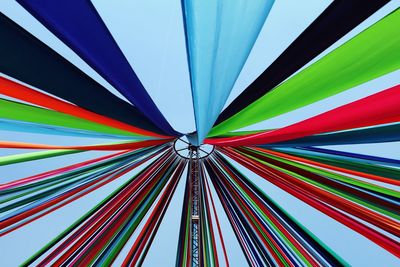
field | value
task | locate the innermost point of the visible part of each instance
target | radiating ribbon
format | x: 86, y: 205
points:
x: 24, y: 202
x: 218, y: 45
x: 79, y: 26
x: 268, y: 235
x: 377, y: 134
x: 18, y: 91
x: 316, y: 194
x: 349, y: 65
x: 99, y: 235
x: 334, y: 22
x: 379, y: 108
x: 114, y: 146
x: 27, y: 59
x: 12, y: 110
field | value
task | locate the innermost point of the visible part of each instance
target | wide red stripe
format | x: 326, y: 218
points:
x: 21, y: 92
x: 379, y: 108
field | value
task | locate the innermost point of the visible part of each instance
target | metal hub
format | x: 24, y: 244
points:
x: 184, y: 148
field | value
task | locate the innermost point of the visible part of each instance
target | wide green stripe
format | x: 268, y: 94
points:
x: 22, y: 112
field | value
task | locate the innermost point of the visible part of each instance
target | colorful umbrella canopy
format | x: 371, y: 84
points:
x: 298, y: 166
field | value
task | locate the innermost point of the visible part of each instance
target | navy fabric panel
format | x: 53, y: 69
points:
x: 24, y: 57
x: 77, y: 23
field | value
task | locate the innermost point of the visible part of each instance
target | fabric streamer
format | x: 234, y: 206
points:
x: 350, y: 163
x: 378, y: 134
x: 142, y: 244
x: 26, y: 113
x: 355, y: 156
x: 44, y: 175
x: 25, y: 157
x: 338, y: 19
x: 27, y: 59
x: 324, y: 201
x: 78, y: 24
x: 267, y: 233
x: 379, y: 108
x: 121, y: 211
x: 183, y: 253
x: 347, y: 66
x: 27, y: 127
x: 336, y: 166
x: 218, y: 45
x: 18, y: 91
x: 145, y: 161
x: 22, y: 203
x: 317, y: 167
x: 340, y: 182
x: 116, y: 146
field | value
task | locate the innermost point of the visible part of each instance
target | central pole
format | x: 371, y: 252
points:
x: 195, y: 208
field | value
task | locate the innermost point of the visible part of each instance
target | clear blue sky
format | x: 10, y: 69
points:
x: 150, y: 33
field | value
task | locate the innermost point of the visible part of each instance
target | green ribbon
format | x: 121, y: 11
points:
x: 371, y: 54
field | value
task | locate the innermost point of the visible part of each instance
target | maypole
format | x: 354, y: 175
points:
x: 195, y: 205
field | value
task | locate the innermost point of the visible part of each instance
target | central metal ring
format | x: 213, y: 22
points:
x: 182, y: 148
